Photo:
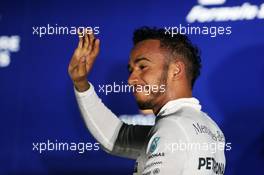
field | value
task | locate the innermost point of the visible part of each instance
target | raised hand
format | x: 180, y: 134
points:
x: 82, y: 60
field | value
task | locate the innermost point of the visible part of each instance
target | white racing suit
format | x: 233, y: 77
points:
x: 183, y: 141
x: 138, y: 119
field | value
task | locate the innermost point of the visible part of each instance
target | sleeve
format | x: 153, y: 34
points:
x: 163, y: 155
x: 130, y: 140
x: 115, y: 137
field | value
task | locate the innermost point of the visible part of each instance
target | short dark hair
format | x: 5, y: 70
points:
x: 178, y: 44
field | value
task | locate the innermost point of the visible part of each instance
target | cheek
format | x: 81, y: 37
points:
x: 151, y: 77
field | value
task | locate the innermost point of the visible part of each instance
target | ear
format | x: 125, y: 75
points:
x: 177, y: 70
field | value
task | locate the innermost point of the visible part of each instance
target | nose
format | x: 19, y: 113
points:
x: 133, y: 79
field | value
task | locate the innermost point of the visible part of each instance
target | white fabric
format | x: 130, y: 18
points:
x: 138, y: 119
x: 179, y: 121
x: 100, y: 121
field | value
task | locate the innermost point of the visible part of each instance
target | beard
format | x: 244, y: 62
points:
x: 144, y: 105
x: 149, y: 102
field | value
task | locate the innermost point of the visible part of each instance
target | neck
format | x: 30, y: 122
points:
x: 169, y: 97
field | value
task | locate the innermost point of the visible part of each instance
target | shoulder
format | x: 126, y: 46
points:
x: 175, y: 127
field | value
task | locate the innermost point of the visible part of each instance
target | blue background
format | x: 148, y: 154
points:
x: 37, y: 102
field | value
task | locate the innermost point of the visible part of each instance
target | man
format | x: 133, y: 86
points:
x: 175, y: 144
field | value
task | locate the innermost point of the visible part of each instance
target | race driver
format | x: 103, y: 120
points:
x: 181, y: 141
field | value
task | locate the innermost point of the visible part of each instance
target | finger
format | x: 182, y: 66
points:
x: 91, y: 40
x: 91, y: 37
x: 86, y: 40
x: 82, y: 67
x: 80, y: 44
x: 96, y: 48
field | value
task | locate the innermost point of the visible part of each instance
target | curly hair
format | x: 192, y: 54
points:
x: 179, y: 46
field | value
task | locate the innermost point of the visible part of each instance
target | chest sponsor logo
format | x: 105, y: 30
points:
x: 162, y: 154
x: 202, y: 129
x: 156, y: 171
x: 152, y: 164
x: 209, y: 163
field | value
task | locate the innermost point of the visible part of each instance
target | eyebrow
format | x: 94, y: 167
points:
x: 138, y: 60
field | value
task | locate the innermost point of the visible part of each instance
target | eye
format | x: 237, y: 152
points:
x: 141, y: 67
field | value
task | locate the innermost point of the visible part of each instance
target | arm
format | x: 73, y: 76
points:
x: 114, y: 136
x: 100, y: 121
